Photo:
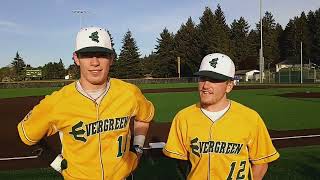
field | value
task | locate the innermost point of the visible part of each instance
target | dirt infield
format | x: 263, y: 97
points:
x: 14, y: 109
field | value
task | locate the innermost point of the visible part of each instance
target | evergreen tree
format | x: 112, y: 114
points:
x: 206, y: 33
x: 149, y: 63
x: 239, y: 35
x: 313, y: 20
x: 129, y: 65
x: 222, y: 32
x: 18, y: 66
x: 290, y: 43
x: 166, y: 65
x: 270, y: 39
x: 74, y: 71
x: 53, y: 70
x: 297, y: 31
x: 304, y: 36
x: 60, y: 70
x: 112, y: 43
x: 251, y: 61
x: 187, y: 48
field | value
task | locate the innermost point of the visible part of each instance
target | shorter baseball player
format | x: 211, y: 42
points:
x: 92, y: 116
x: 222, y: 139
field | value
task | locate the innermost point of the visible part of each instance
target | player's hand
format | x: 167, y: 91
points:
x: 138, y: 150
x: 49, y: 155
x: 44, y: 151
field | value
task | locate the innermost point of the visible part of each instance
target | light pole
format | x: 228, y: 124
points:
x: 301, y: 78
x: 80, y: 13
x: 261, y: 59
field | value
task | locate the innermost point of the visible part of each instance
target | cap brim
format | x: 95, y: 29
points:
x: 212, y: 75
x: 95, y: 49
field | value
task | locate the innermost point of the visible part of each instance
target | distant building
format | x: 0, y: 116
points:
x: 247, y: 75
x: 286, y: 64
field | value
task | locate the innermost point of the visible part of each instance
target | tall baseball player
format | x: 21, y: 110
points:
x: 222, y: 139
x: 92, y: 116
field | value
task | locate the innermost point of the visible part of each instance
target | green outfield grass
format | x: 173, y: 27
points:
x: 294, y: 164
x: 161, y: 86
x: 279, y: 113
x: 22, y: 92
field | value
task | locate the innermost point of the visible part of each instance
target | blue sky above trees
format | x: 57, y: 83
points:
x: 45, y: 30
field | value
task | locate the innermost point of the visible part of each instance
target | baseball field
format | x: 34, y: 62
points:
x: 291, y: 114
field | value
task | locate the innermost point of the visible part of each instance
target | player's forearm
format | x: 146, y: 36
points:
x: 259, y: 170
x: 141, y: 128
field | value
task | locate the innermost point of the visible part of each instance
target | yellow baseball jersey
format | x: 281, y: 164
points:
x: 95, y: 137
x: 224, y: 149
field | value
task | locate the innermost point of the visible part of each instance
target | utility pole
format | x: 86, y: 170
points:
x: 80, y: 13
x: 261, y: 58
x: 301, y: 81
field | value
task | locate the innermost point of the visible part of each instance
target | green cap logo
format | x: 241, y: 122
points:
x: 94, y: 36
x: 214, y: 62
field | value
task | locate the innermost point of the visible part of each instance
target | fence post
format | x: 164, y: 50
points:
x: 289, y: 76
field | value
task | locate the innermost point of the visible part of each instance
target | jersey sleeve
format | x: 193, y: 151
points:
x: 144, y: 108
x: 175, y: 146
x: 37, y: 123
x: 261, y: 149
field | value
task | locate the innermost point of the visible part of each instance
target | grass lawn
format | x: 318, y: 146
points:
x: 279, y: 113
x: 22, y: 92
x: 161, y: 86
x: 295, y: 163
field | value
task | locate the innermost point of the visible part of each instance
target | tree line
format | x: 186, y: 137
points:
x: 193, y: 41
x: 242, y: 43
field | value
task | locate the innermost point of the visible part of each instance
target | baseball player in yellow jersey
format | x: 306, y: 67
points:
x: 92, y: 116
x: 222, y: 139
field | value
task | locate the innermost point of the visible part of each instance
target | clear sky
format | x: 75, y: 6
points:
x: 44, y: 30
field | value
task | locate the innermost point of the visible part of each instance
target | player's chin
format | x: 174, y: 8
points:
x: 97, y: 80
x: 205, y: 102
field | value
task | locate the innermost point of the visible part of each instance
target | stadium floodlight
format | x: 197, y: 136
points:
x: 80, y: 13
x: 261, y: 58
x: 301, y: 76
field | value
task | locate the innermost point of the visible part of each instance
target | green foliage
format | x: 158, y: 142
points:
x: 18, y: 66
x: 270, y: 39
x: 129, y: 64
x: 239, y: 34
x: 74, y: 71
x: 54, y: 70
x: 206, y: 33
x: 188, y: 48
x: 166, y: 64
x: 6, y: 73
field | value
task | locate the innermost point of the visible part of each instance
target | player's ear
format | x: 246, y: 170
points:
x: 230, y: 84
x: 76, y: 59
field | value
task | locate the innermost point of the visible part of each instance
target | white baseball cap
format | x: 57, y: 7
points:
x: 93, y: 39
x: 216, y: 66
